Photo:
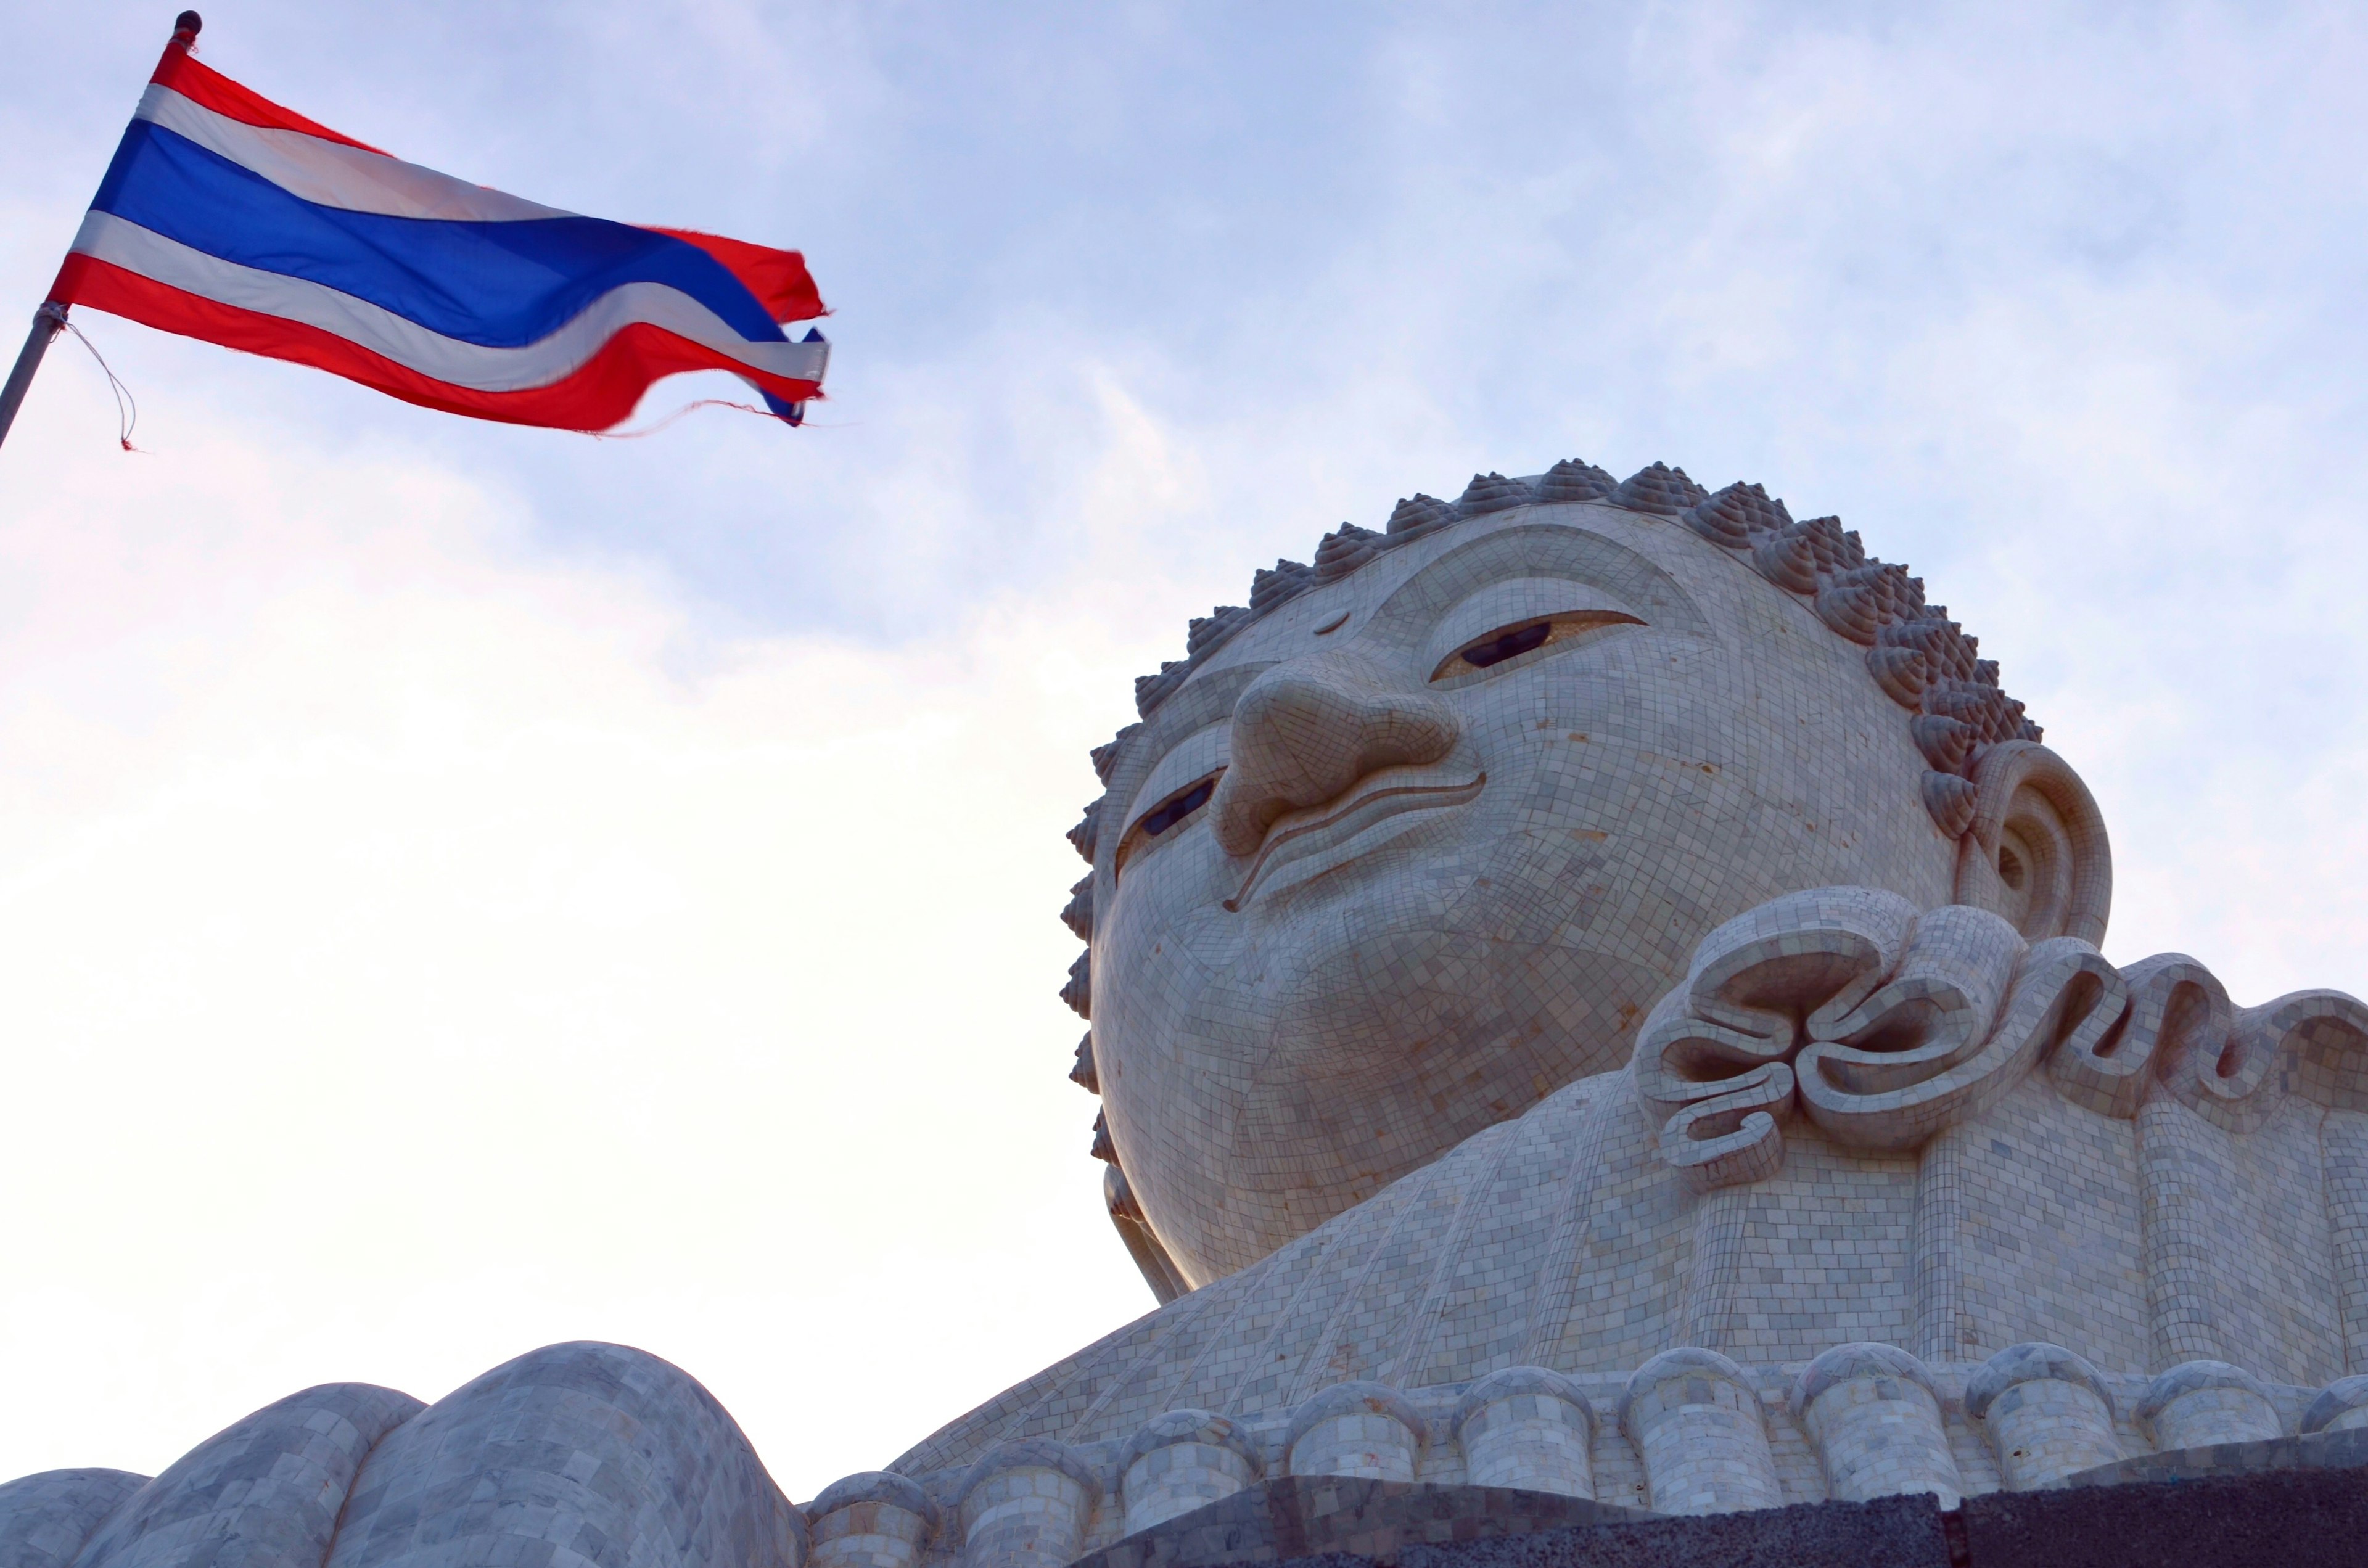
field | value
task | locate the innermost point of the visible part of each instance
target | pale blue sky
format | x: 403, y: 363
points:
x: 716, y: 778
x: 1745, y: 238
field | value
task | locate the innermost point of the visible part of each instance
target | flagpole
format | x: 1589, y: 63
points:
x: 48, y: 322
x: 50, y: 318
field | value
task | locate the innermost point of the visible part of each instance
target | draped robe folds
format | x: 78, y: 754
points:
x: 1562, y: 1239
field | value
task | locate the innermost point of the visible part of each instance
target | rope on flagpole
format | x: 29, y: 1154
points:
x: 50, y: 318
x: 125, y: 423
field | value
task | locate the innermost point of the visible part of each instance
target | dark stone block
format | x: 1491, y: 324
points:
x: 2309, y: 1512
x: 2295, y: 1518
x: 2332, y: 1450
x: 1301, y: 1517
x: 1896, y: 1532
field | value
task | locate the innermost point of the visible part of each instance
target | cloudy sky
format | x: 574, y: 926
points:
x: 463, y: 888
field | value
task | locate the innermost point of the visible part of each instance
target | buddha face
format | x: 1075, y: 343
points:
x: 1426, y: 843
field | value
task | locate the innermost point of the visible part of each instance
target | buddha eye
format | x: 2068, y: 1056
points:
x: 1511, y: 642
x: 1499, y: 646
x: 1165, y: 818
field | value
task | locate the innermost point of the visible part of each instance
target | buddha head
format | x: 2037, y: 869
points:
x: 1419, y: 834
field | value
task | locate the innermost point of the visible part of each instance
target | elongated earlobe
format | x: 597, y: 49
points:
x: 1159, y: 1271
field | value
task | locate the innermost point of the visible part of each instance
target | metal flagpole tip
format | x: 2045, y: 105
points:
x: 187, y: 26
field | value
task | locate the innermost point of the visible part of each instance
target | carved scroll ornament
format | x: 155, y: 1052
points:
x: 1884, y: 1025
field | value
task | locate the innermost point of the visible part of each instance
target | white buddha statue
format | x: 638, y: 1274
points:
x: 1619, y: 940
x: 1593, y: 991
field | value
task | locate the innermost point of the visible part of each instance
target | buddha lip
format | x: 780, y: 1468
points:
x: 1373, y: 806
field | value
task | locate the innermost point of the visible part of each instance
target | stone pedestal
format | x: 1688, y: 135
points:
x: 1362, y: 1429
x: 2342, y: 1406
x: 1182, y: 1460
x: 1026, y: 1505
x: 2198, y: 1404
x: 1872, y: 1413
x: 1527, y: 1427
x: 1695, y: 1418
x: 2047, y: 1412
x: 873, y: 1519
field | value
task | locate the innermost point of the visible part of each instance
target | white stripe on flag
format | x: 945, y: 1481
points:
x: 332, y: 173
x: 448, y: 360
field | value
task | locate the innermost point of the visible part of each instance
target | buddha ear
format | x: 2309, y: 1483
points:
x: 1159, y: 1271
x: 2036, y: 852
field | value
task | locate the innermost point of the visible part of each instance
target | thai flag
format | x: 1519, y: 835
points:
x: 228, y: 218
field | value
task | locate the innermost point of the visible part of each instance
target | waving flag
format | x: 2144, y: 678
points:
x: 229, y: 218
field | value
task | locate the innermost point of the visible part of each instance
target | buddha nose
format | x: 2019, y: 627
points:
x: 1306, y: 730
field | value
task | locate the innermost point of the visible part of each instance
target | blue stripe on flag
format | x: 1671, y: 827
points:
x: 503, y: 285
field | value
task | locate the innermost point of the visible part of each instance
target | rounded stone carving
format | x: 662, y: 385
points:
x: 1695, y: 1418
x: 1527, y: 1427
x: 597, y: 1441
x: 2197, y: 1403
x: 2342, y: 1406
x: 1357, y: 1428
x: 875, y: 1518
x: 1182, y: 1460
x: 45, y: 1517
x: 2047, y: 1412
x: 1871, y: 1412
x: 268, y: 1487
x: 1492, y: 493
x: 1571, y: 480
x: 1026, y: 1504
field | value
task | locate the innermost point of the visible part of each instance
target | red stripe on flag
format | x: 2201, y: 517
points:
x: 778, y: 278
x: 600, y: 393
x: 203, y: 85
